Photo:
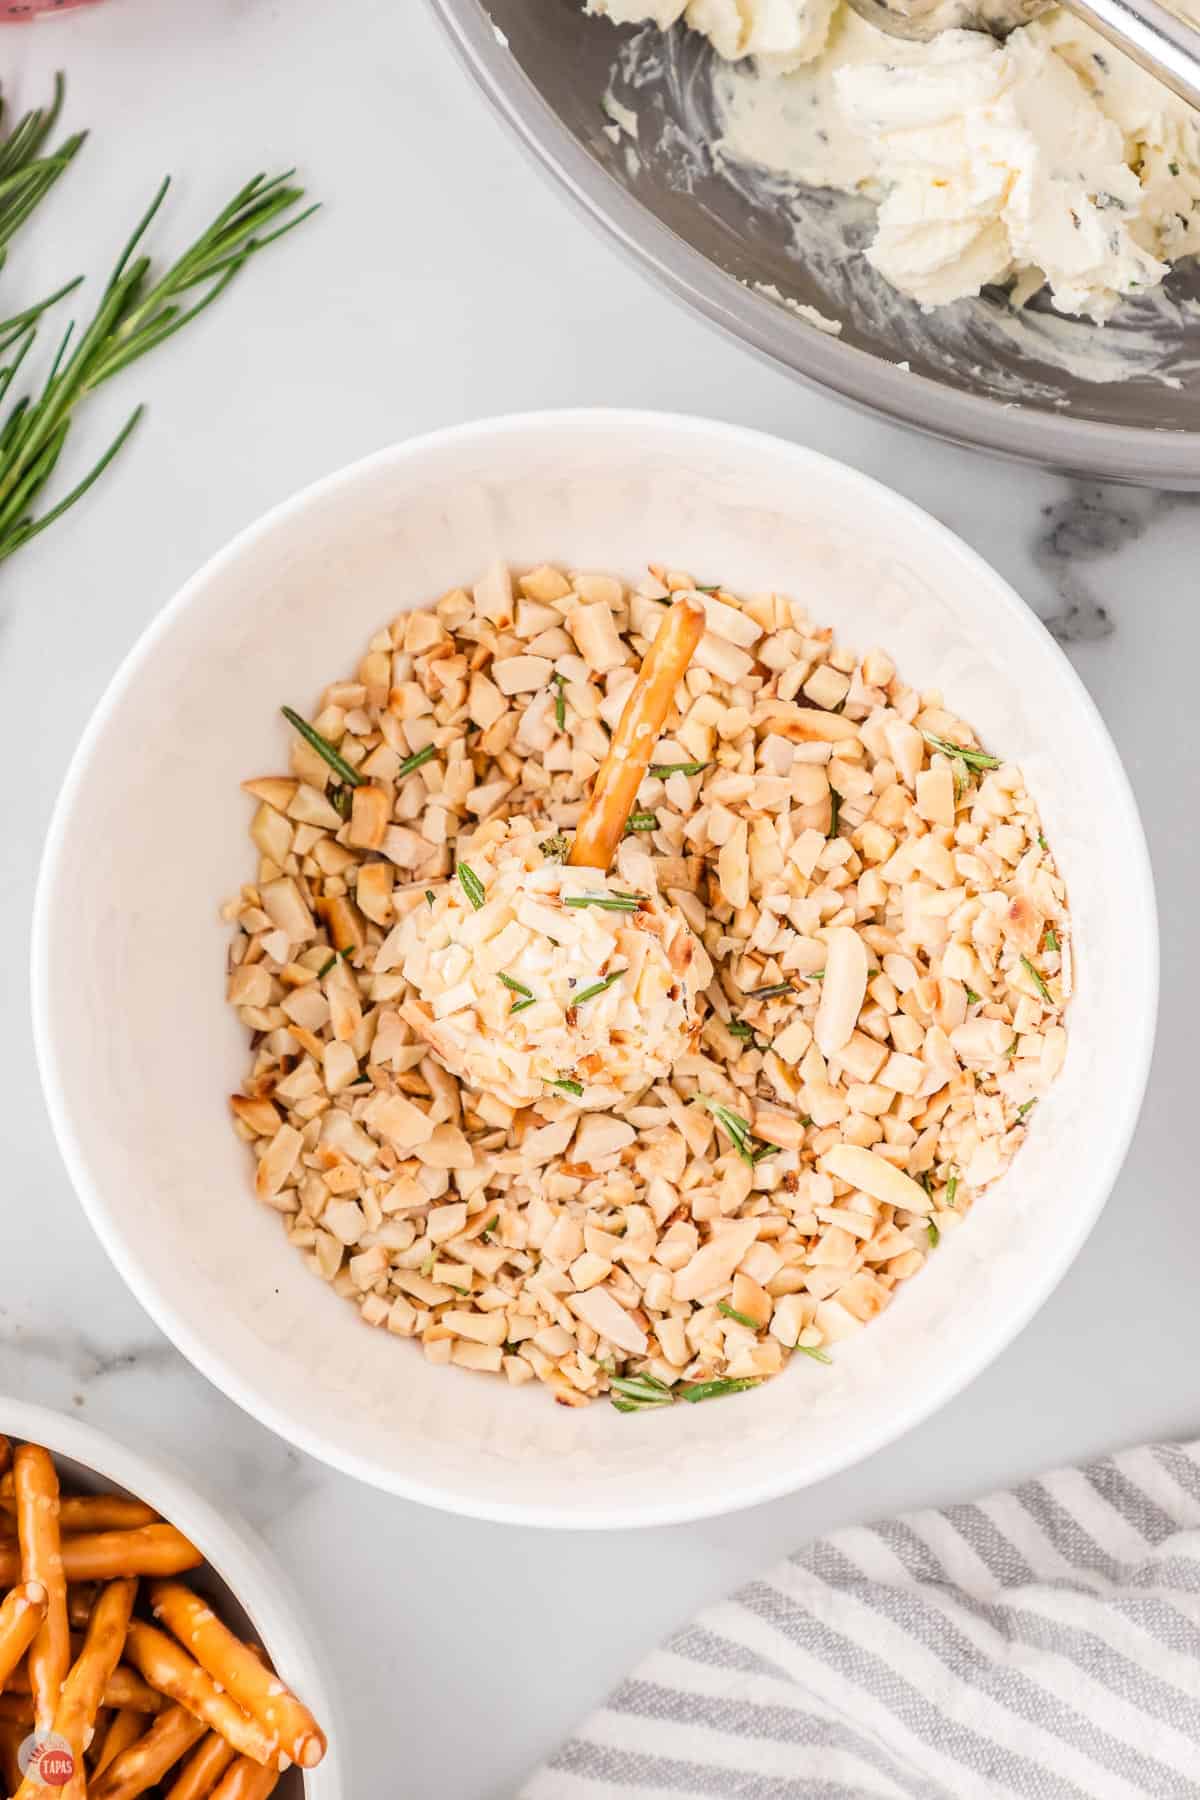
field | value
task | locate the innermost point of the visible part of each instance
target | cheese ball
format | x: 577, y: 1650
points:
x: 533, y: 980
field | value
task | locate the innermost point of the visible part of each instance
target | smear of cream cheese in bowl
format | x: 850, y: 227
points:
x: 1048, y: 161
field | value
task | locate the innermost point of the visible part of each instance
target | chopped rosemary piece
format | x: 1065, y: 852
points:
x: 430, y: 896
x: 835, y: 812
x: 324, y: 749
x: 472, y: 887
x: 715, y: 589
x: 1036, y: 979
x: 739, y: 1318
x: 951, y: 1189
x: 738, y: 1132
x: 933, y: 1234
x: 738, y: 1028
x: 712, y: 1390
x: 972, y: 997
x: 555, y: 849
x: 568, y: 1086
x: 1042, y: 844
x: 1013, y: 1048
x: 339, y: 799
x: 771, y: 993
x: 324, y: 969
x: 1050, y: 941
x: 817, y: 1354
x: 520, y: 1005
x: 1026, y: 1108
x: 607, y: 902
x: 637, y: 1391
x: 518, y: 987
x: 560, y: 702
x: 641, y: 821
x: 416, y: 761
x: 662, y: 770
x: 491, y: 1225
x: 599, y: 987
x: 974, y: 759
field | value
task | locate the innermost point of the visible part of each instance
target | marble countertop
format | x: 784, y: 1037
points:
x: 446, y: 280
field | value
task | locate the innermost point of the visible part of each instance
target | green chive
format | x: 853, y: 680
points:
x: 416, y: 761
x: 1050, y: 941
x: 934, y: 1235
x: 641, y: 821
x: 1026, y: 1108
x: 560, y: 703
x: 662, y: 770
x: 974, y: 759
x: 739, y: 1318
x: 324, y: 749
x: 951, y: 1190
x: 817, y: 1355
x: 430, y: 896
x: 599, y: 987
x: 973, y: 997
x: 472, y: 887
x: 518, y: 987
x: 638, y: 1391
x: 771, y: 993
x: 1036, y: 979
x: 568, y: 1087
x: 606, y: 902
x: 712, y: 1390
x: 835, y: 812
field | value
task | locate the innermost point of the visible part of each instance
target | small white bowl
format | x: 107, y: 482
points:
x: 242, y: 1577
x: 138, y: 1051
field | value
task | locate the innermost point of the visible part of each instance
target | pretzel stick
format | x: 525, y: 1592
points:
x: 203, y: 1769
x: 234, y: 1667
x: 145, y: 1763
x: 81, y: 1597
x: 35, y: 1485
x: 16, y: 1709
x: 21, y: 1616
x: 614, y: 791
x: 246, y: 1781
x: 126, y: 1728
x: 96, y: 1512
x: 123, y: 1689
x: 173, y: 1672
x: 83, y: 1690
x: 113, y: 1555
x: 11, y: 1739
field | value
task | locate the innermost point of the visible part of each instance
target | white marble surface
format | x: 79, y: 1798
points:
x: 447, y: 280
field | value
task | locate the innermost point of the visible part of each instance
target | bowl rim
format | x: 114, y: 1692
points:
x: 1131, y: 454
x: 1120, y: 1119
x: 246, y: 1565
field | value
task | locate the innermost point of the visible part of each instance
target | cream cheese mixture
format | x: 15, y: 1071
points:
x: 1048, y: 159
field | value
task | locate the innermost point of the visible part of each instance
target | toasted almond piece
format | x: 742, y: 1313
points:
x: 808, y: 725
x: 842, y: 991
x: 597, y: 1308
x: 284, y: 906
x: 875, y: 1176
x: 260, y: 1115
x: 370, y: 815
x: 277, y: 790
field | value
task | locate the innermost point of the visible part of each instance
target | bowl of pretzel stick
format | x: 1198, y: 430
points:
x: 148, y: 1645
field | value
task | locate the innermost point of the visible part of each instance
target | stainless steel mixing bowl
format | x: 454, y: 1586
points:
x: 1120, y: 401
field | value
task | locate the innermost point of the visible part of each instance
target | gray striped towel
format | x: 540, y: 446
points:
x: 1043, y: 1642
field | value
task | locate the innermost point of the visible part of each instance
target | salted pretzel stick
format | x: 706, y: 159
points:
x: 126, y: 1728
x: 173, y: 1672
x: 203, y: 1769
x: 83, y: 1690
x: 21, y: 1615
x: 97, y: 1512
x: 621, y: 773
x: 145, y: 1763
x: 35, y: 1486
x: 113, y: 1555
x: 246, y: 1780
x: 235, y: 1667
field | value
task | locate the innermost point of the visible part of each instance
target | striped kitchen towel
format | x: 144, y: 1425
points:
x: 1043, y: 1642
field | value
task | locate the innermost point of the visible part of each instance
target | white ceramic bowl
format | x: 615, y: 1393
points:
x: 138, y: 1051
x: 241, y: 1576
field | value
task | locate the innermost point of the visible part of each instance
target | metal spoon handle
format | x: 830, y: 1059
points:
x: 1159, y: 41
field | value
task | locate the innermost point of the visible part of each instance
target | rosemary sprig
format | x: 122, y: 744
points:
x: 974, y: 759
x: 431, y: 896
x: 560, y: 703
x: 739, y: 1318
x: 633, y: 1393
x: 933, y: 1234
x: 556, y: 848
x: 713, y: 1390
x: 973, y: 998
x: 1026, y: 1107
x: 26, y: 176
x: 134, y: 315
x: 345, y: 772
x: 606, y: 902
x: 813, y: 1350
x: 662, y: 770
x: 951, y: 1189
x: 568, y: 1086
x: 738, y: 1131
x: 472, y: 887
x: 599, y: 987
x: 1050, y: 941
x: 1036, y: 977
x: 775, y: 992
x: 641, y: 821
x: 416, y: 761
x: 518, y: 987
